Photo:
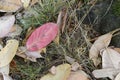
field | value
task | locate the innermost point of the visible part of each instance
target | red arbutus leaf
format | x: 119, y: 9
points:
x: 42, y: 36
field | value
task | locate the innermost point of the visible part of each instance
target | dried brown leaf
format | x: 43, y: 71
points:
x: 109, y: 72
x: 29, y: 55
x: 61, y: 21
x: 101, y: 43
x: 117, y: 49
x: 10, y: 5
x: 110, y: 59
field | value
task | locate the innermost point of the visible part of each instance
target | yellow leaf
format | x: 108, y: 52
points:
x: 62, y: 73
x: 78, y: 75
x: 10, y: 5
x: 8, y: 52
x: 101, y: 43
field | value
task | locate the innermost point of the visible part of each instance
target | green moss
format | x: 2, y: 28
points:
x: 116, y: 8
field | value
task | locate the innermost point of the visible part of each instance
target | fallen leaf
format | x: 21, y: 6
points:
x: 6, y: 23
x: 110, y: 58
x: 8, y: 52
x: 62, y: 73
x: 25, y: 3
x: 5, y: 69
x: 108, y: 72
x: 1, y: 46
x: 117, y: 77
x: 30, y: 55
x: 13, y: 64
x: 16, y: 32
x: 42, y: 36
x: 75, y: 66
x: 101, y: 43
x: 5, y: 77
x: 10, y: 5
x: 69, y: 59
x: 78, y: 75
x: 53, y: 70
x: 117, y: 49
x: 27, y: 58
x: 34, y: 54
x: 61, y: 21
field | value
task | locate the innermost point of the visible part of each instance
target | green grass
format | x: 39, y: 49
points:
x: 44, y: 11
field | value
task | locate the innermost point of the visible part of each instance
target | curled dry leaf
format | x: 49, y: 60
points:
x: 8, y: 52
x: 42, y: 36
x: 10, y: 5
x: 78, y: 75
x: 101, y: 43
x: 117, y: 77
x: 61, y: 21
x: 6, y: 23
x: 30, y: 55
x: 62, y: 73
x: 17, y: 31
x: 110, y: 59
x: 108, y: 72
